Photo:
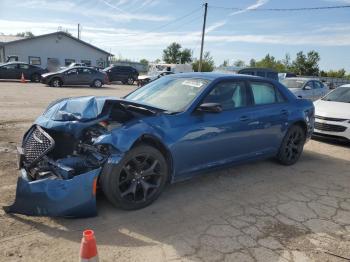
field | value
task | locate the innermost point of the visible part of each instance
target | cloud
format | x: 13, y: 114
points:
x: 78, y: 9
x: 256, y: 5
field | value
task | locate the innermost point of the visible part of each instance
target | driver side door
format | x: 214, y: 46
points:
x: 71, y: 77
x: 213, y: 139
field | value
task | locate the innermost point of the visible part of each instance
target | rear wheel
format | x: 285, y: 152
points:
x: 130, y: 80
x: 56, y: 82
x: 97, y: 83
x: 35, y: 78
x: 137, y: 180
x: 292, y: 146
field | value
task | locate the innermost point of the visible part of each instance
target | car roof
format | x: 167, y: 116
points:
x: 213, y: 76
x: 302, y: 78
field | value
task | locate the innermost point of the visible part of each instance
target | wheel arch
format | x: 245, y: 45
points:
x: 302, y: 124
x: 156, y: 143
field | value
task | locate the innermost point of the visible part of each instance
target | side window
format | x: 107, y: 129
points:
x: 23, y: 66
x: 260, y: 73
x: 85, y: 71
x: 230, y: 95
x: 317, y: 85
x: 265, y: 93
x: 310, y: 84
x: 10, y: 66
x: 72, y: 72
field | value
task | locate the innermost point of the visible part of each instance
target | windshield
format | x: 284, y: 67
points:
x: 341, y: 94
x: 170, y: 94
x: 293, y: 83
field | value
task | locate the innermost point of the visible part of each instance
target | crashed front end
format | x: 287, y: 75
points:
x: 58, y: 175
x: 60, y: 160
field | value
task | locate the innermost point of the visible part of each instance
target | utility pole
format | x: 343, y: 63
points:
x: 78, y: 31
x: 203, y: 33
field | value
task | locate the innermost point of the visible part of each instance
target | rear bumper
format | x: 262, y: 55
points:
x: 75, y: 197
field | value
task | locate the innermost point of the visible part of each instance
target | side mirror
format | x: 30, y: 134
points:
x: 307, y: 88
x: 210, y: 108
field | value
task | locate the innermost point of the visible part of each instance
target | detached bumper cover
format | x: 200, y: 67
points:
x: 74, y: 197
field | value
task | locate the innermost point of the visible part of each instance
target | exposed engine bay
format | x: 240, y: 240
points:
x: 54, y: 154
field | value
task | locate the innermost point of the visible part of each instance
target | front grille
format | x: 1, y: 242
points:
x: 330, y: 118
x: 36, y: 144
x: 328, y: 127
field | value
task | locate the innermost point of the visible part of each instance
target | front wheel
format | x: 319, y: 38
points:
x: 56, y: 82
x: 292, y: 146
x: 137, y: 180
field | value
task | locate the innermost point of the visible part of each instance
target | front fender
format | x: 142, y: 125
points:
x: 125, y: 137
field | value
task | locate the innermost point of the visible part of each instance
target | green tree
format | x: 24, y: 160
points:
x: 144, y: 62
x: 26, y: 34
x: 186, y: 56
x: 173, y: 54
x: 225, y: 63
x: 270, y: 61
x: 334, y: 73
x: 287, y: 62
x: 207, y: 63
x: 239, y: 63
x: 252, y: 62
x: 306, y: 64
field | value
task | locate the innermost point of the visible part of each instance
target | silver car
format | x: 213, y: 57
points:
x: 307, y: 88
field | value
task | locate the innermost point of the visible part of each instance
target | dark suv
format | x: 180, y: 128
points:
x: 125, y: 74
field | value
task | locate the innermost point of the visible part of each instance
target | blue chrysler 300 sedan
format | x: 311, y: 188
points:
x: 169, y: 130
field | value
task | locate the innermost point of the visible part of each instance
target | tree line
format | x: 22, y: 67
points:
x: 303, y: 64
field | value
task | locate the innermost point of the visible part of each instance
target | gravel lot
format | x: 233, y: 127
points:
x: 254, y: 212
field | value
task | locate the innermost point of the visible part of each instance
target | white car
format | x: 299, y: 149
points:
x: 306, y: 88
x: 332, y: 114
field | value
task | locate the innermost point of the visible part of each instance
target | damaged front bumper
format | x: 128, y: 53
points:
x: 75, y: 197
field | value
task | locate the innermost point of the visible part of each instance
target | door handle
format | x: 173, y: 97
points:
x: 284, y: 112
x: 244, y: 118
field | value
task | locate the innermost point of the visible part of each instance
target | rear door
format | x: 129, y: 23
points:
x: 85, y: 75
x: 319, y: 90
x: 308, y: 90
x: 270, y: 114
x: 23, y: 69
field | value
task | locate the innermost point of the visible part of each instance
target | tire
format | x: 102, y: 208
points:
x: 137, y: 180
x: 56, y: 82
x: 97, y: 83
x: 292, y: 146
x: 130, y: 80
x: 35, y: 78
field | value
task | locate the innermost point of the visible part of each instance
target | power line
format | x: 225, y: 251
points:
x: 281, y: 9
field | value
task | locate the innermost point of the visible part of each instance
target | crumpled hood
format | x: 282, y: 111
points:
x: 76, y: 108
x: 332, y: 109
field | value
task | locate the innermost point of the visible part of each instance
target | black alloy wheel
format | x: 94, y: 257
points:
x: 292, y: 145
x: 138, y: 180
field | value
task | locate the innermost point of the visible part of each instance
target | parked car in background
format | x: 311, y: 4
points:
x: 262, y: 72
x: 282, y: 76
x: 170, y: 130
x: 75, y: 76
x: 307, y: 88
x: 125, y: 74
x: 76, y: 64
x: 14, y: 70
x: 145, y: 79
x: 332, y: 114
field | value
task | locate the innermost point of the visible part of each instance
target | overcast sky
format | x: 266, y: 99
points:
x: 138, y: 29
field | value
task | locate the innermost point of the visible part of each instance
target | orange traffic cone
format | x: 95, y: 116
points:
x: 88, y: 248
x: 23, y: 79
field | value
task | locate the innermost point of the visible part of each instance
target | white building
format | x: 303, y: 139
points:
x: 52, y: 50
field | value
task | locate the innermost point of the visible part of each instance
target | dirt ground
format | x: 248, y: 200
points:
x: 254, y: 212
